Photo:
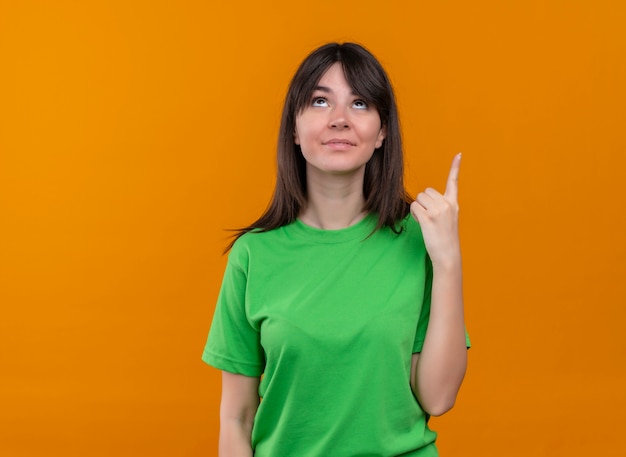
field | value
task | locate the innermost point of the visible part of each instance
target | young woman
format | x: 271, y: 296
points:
x: 339, y: 326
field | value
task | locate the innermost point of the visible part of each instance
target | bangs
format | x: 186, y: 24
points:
x: 361, y: 70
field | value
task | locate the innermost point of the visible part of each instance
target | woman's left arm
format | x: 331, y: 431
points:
x: 438, y: 370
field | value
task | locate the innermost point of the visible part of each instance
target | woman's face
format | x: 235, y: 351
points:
x: 337, y: 131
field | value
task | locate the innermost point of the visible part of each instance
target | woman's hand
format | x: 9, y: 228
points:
x: 438, y: 217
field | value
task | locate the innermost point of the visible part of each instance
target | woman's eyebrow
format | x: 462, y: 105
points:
x: 323, y: 89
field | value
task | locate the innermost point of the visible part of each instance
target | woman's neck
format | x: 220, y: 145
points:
x: 334, y: 201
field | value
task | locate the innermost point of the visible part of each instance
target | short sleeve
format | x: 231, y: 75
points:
x: 234, y: 344
x: 422, y: 324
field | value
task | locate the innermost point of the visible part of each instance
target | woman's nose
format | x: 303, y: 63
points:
x: 339, y: 118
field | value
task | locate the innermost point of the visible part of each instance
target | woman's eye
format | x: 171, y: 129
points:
x: 360, y: 104
x: 319, y: 101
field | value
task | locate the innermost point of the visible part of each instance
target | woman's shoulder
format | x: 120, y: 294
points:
x: 254, y: 238
x: 407, y: 226
x: 407, y: 231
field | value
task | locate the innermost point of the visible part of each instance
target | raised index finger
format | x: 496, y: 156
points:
x: 452, y: 186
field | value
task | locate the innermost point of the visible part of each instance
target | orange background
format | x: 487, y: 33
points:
x: 132, y: 133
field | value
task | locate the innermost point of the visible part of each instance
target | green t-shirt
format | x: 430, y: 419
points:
x: 330, y: 319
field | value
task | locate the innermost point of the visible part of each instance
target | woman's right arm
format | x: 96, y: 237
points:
x: 240, y: 400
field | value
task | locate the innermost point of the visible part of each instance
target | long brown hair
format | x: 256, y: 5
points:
x: 383, y: 185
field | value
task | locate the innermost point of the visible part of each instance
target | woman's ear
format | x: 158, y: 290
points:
x: 296, y: 139
x: 382, y: 134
